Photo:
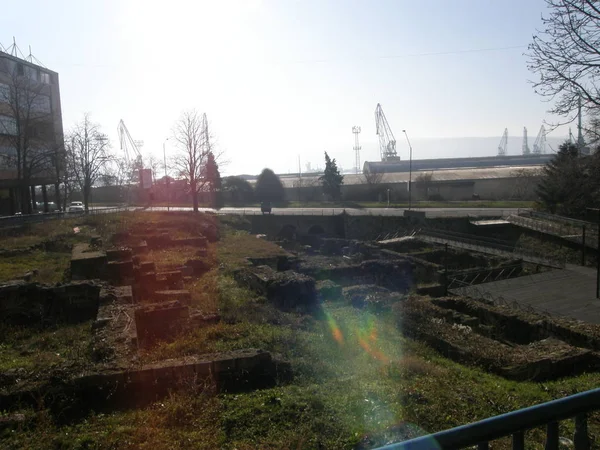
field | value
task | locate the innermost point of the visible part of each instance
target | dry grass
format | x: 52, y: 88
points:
x: 411, y: 366
x: 51, y: 266
x: 169, y: 258
x: 237, y: 245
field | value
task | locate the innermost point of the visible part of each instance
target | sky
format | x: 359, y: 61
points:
x: 282, y: 80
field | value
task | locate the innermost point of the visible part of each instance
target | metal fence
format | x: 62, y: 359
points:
x: 562, y: 227
x: 26, y: 219
x: 489, y: 246
x: 516, y: 424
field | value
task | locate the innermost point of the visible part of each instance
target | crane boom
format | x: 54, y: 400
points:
x: 503, y: 143
x: 539, y: 146
x: 128, y: 146
x: 387, y: 141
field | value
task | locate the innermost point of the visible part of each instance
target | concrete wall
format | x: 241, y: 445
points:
x: 513, y: 188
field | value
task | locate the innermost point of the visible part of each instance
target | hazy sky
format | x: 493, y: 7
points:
x: 285, y: 78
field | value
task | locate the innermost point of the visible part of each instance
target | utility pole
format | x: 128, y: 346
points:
x: 409, y: 171
x: 299, y: 178
x: 597, y: 251
x: 580, y: 141
x: 525, y: 146
x: 356, y: 131
x: 166, y: 176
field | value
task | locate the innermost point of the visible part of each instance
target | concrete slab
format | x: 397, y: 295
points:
x: 87, y: 263
x: 569, y: 292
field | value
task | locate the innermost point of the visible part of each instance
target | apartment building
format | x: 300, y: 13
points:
x: 31, y: 134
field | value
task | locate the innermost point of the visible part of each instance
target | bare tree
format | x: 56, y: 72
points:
x: 525, y: 182
x: 373, y: 178
x: 87, y: 155
x: 155, y: 164
x: 29, y: 128
x: 194, y: 146
x: 566, y: 56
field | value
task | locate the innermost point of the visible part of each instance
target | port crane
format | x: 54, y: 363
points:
x: 503, y: 143
x: 387, y: 141
x: 539, y: 146
x: 133, y: 156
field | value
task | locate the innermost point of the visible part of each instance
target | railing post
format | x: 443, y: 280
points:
x: 518, y: 440
x: 581, y: 439
x: 583, y: 246
x: 551, y: 436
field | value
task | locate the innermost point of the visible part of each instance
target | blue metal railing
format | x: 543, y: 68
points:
x: 515, y: 424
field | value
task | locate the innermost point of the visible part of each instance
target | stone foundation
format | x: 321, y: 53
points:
x: 87, y: 263
x: 286, y: 290
x: 33, y: 304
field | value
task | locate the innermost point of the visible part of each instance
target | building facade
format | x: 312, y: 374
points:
x: 31, y: 134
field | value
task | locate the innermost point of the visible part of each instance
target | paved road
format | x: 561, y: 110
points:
x: 396, y: 212
x: 429, y: 212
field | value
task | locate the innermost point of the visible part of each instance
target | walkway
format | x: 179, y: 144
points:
x: 569, y: 292
x: 486, y: 245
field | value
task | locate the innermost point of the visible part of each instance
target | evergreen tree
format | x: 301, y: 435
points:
x: 569, y: 182
x: 268, y: 187
x: 331, y: 179
x: 240, y: 190
x: 213, y: 180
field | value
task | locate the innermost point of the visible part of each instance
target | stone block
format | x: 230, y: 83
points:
x: 180, y: 295
x: 173, y: 276
x: 199, y: 241
x: 118, y: 254
x: 186, y: 271
x: 328, y: 290
x: 140, y: 249
x: 159, y: 322
x: 87, y: 263
x: 224, y: 364
x: 119, y: 271
x: 147, y: 266
x: 27, y: 303
x: 199, y: 266
x: 286, y: 290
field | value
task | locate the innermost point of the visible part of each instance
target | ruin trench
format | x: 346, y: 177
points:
x: 105, y: 388
x: 498, y: 330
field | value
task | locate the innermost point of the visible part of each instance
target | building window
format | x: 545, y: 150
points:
x: 45, y: 77
x: 8, y: 158
x: 20, y: 69
x: 8, y: 125
x: 4, y: 93
x: 32, y: 73
x: 41, y: 104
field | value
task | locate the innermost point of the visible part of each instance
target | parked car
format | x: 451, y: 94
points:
x: 265, y: 207
x: 76, y: 207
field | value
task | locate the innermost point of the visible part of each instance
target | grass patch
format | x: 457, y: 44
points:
x: 354, y: 374
x: 41, y: 349
x: 237, y: 245
x: 51, y: 266
x: 363, y: 378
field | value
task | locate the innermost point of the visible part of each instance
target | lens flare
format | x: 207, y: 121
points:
x: 336, y: 332
x: 367, y: 339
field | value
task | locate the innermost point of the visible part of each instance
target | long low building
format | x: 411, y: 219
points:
x: 492, y: 183
x: 456, y: 163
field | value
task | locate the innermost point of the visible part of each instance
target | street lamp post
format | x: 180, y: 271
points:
x: 166, y: 176
x: 409, y: 171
